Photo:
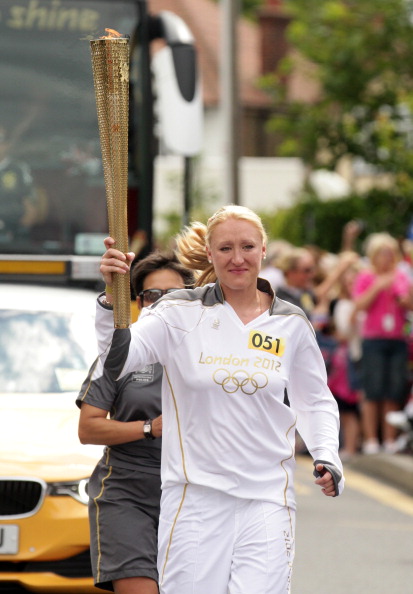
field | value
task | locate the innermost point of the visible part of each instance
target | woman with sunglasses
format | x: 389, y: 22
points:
x: 125, y: 416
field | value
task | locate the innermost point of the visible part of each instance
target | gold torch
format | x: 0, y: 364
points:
x: 110, y: 63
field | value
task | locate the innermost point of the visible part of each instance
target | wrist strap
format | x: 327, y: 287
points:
x: 103, y: 301
x: 146, y: 433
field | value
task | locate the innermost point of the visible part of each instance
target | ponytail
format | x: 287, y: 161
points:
x: 191, y: 252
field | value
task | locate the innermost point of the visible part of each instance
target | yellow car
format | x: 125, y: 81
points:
x: 47, y: 344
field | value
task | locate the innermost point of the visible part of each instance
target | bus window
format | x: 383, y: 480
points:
x: 52, y: 195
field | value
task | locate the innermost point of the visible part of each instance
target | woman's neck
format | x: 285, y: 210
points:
x: 248, y: 305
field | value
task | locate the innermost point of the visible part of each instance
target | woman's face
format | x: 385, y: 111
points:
x: 385, y: 259
x: 348, y: 281
x: 302, y: 275
x: 236, y: 251
x: 160, y: 279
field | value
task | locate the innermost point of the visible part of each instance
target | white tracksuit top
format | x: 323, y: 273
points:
x: 225, y: 423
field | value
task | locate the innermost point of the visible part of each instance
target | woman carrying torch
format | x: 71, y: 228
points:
x: 229, y: 349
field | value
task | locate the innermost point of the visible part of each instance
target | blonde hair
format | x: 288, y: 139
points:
x: 292, y: 258
x: 191, y: 243
x: 190, y: 249
x: 277, y: 250
x: 377, y: 241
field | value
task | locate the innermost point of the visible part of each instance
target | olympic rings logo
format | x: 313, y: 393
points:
x: 240, y: 380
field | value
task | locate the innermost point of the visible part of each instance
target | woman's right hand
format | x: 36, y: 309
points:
x: 384, y: 281
x: 114, y: 261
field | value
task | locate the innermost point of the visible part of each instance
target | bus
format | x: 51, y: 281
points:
x: 52, y: 197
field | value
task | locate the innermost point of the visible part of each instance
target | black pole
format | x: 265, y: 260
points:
x: 187, y: 189
x: 143, y: 120
x: 230, y: 97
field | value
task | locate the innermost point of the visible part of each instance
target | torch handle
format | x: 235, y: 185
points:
x: 110, y: 63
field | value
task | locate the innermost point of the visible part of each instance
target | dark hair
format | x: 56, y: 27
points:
x: 158, y: 261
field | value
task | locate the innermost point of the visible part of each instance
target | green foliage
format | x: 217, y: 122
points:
x: 311, y: 221
x: 249, y: 7
x: 361, y: 51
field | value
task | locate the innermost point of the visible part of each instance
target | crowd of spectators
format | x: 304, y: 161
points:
x: 360, y: 303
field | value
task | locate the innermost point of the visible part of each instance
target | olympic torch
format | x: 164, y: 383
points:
x: 110, y: 64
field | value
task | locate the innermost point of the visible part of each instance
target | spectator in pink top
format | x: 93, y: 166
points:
x: 383, y: 292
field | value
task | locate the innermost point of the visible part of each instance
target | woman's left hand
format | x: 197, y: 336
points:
x: 157, y: 426
x: 325, y: 481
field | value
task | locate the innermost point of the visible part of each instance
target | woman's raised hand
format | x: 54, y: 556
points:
x: 114, y: 261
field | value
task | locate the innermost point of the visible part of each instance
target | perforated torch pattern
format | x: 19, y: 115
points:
x: 110, y: 63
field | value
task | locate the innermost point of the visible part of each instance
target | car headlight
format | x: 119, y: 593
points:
x: 76, y: 489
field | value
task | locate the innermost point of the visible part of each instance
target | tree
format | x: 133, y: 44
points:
x: 362, y: 52
x: 249, y: 7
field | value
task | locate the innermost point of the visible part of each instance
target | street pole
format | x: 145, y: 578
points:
x: 144, y: 168
x: 187, y: 189
x: 230, y: 98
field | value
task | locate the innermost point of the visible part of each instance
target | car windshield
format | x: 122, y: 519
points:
x: 44, y: 351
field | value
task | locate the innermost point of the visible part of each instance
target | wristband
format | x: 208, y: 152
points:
x: 104, y: 302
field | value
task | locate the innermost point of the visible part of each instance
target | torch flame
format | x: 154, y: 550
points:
x: 111, y: 34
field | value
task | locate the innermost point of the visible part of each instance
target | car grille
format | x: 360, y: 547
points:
x: 12, y: 588
x: 20, y: 497
x: 78, y: 566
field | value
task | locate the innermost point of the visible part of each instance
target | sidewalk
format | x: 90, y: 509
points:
x: 394, y: 469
